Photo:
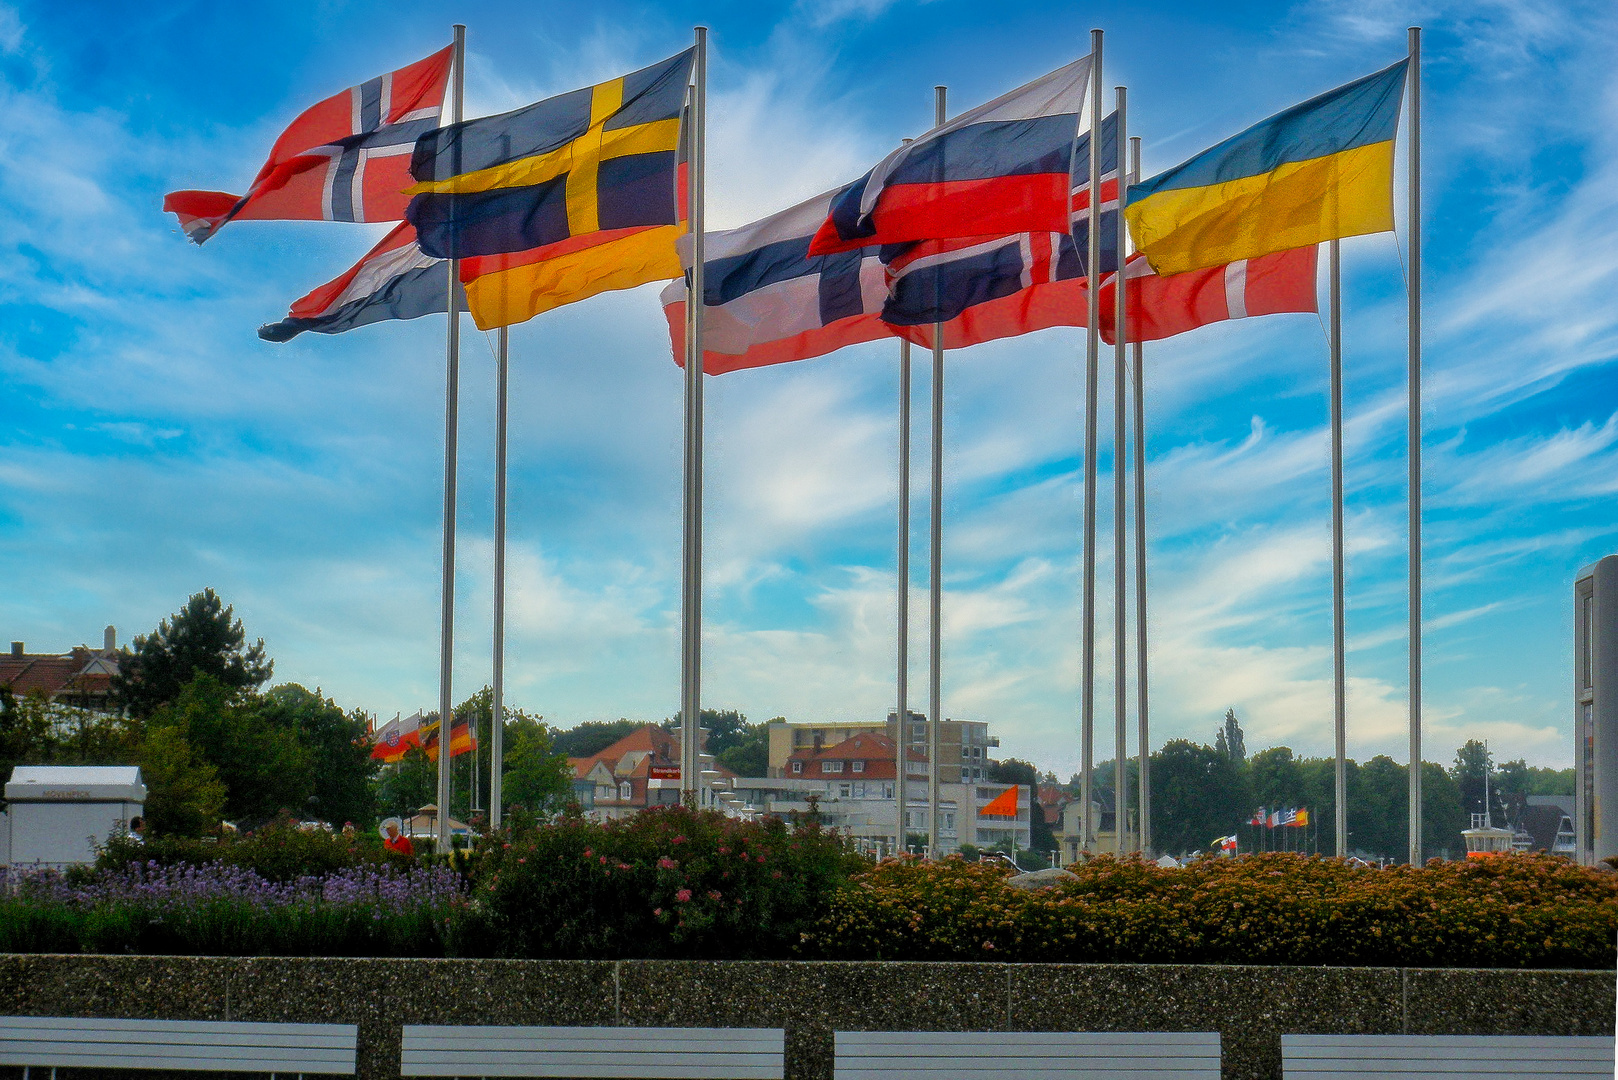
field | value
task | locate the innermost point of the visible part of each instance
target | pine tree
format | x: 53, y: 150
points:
x: 204, y: 637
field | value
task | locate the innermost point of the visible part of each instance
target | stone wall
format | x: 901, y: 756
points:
x: 1249, y: 1006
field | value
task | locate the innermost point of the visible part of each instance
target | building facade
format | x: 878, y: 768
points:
x: 81, y: 677
x: 1595, y: 710
x: 642, y: 770
x: 963, y: 745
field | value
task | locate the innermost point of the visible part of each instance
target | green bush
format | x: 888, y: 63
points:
x: 276, y: 852
x: 1509, y: 911
x: 665, y: 883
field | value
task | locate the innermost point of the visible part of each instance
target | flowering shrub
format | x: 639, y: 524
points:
x: 230, y: 911
x: 665, y: 883
x: 1511, y: 911
x: 277, y: 852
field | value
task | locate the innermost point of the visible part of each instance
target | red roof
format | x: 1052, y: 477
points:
x: 875, y: 750
x: 78, y: 673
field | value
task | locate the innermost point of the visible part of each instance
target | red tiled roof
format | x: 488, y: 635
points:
x: 648, y: 739
x: 52, y: 675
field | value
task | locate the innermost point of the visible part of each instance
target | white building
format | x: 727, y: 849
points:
x: 59, y: 814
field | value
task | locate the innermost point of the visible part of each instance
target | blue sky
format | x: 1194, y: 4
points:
x: 151, y: 445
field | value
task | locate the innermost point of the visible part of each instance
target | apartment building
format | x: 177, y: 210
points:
x: 963, y: 745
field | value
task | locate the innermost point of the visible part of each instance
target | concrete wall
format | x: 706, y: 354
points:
x: 1250, y: 1006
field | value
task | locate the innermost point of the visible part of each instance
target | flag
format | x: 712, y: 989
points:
x: 394, y: 280
x: 1301, y: 819
x: 560, y: 200
x: 460, y: 740
x: 345, y: 159
x: 1224, y: 843
x: 1258, y: 817
x: 1161, y: 307
x: 1273, y: 819
x: 396, y: 737
x: 1000, y: 168
x: 770, y: 302
x: 1318, y: 171
x: 1002, y: 805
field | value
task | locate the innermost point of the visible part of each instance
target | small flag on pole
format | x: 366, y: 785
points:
x: 1319, y: 171
x: 345, y: 159
x: 1002, y: 805
x: 394, y: 280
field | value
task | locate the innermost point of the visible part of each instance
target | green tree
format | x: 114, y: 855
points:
x: 1442, y: 815
x: 26, y: 736
x: 591, y: 737
x: 408, y: 785
x: 184, y: 796
x: 1378, y: 809
x: 1229, y: 739
x: 204, y: 637
x: 338, y: 747
x: 1472, y: 773
x: 1198, y: 793
x: 1013, y: 771
x: 1276, y: 777
x: 536, y: 777
x: 749, y: 752
x: 262, y: 763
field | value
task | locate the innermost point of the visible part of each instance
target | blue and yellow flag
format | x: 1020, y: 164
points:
x: 1319, y: 171
x: 560, y: 200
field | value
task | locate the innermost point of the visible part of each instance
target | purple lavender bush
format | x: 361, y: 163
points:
x: 224, y: 910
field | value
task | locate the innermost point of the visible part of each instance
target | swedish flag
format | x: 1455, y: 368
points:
x: 560, y: 200
x: 1321, y: 170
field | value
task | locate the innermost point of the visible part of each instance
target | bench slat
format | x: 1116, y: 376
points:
x: 857, y: 1039
x: 524, y: 1065
x: 622, y: 1053
x: 1113, y: 1070
x: 95, y: 1023
x: 1027, y: 1055
x: 187, y: 1045
x: 1501, y: 1057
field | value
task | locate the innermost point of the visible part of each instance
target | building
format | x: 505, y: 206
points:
x: 642, y: 770
x: 1547, y: 822
x: 1070, y: 835
x: 81, y: 678
x: 851, y: 785
x: 1595, y: 710
x: 963, y: 745
x: 58, y: 814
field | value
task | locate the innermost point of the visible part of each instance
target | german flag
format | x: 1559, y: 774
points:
x: 560, y: 200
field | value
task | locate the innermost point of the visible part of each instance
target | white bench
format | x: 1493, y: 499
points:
x: 1025, y: 1055
x: 191, y: 1045
x: 1505, y: 1057
x: 626, y: 1053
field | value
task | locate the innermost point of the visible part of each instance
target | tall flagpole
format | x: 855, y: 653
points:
x: 691, y: 622
x: 935, y: 579
x: 1415, y: 445
x: 452, y: 378
x: 497, y: 737
x: 1120, y: 509
x: 1338, y: 613
x: 901, y: 757
x: 1143, y: 736
x: 1092, y: 376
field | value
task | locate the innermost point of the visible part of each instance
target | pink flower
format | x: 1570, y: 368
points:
x: 657, y: 911
x: 604, y: 858
x: 666, y: 863
x: 588, y: 853
x: 713, y: 894
x: 683, y: 895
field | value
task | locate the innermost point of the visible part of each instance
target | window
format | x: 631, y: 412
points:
x: 859, y: 791
x: 977, y: 752
x: 842, y: 791
x: 965, y: 752
x: 797, y: 767
x: 949, y: 822
x: 831, y: 766
x: 858, y: 766
x: 625, y: 790
x: 887, y: 791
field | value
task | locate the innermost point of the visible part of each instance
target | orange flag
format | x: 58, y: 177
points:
x: 1003, y: 804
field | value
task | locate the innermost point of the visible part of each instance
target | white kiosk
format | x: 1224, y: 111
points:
x: 59, y: 813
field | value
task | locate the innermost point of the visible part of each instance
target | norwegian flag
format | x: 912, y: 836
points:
x: 345, y: 159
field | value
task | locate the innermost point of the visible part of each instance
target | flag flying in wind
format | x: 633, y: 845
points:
x: 395, y: 280
x: 1258, y: 817
x: 1160, y: 307
x: 1319, y: 171
x: 937, y: 281
x: 345, y: 159
x: 1000, y: 168
x: 770, y: 302
x: 396, y: 737
x: 560, y: 200
x: 1002, y: 805
x: 460, y: 740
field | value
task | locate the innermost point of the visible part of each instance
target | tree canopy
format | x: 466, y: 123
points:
x: 205, y: 638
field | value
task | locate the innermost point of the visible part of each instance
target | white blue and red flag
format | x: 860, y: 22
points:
x: 770, y: 302
x: 1160, y: 307
x: 344, y: 159
x: 998, y: 169
x: 395, y: 280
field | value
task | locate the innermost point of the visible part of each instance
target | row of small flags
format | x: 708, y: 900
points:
x: 980, y: 224
x: 1277, y: 818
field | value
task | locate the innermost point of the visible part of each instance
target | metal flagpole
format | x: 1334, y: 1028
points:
x: 935, y: 579
x: 452, y: 378
x: 497, y: 737
x: 1415, y: 445
x: 691, y: 623
x: 1092, y: 375
x: 1145, y: 794
x: 1120, y: 510
x: 901, y: 730
x: 1338, y: 614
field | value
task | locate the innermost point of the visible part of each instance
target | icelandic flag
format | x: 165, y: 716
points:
x: 941, y: 280
x: 395, y: 280
x: 768, y: 301
x: 1000, y: 168
x: 1160, y: 307
x: 344, y: 159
